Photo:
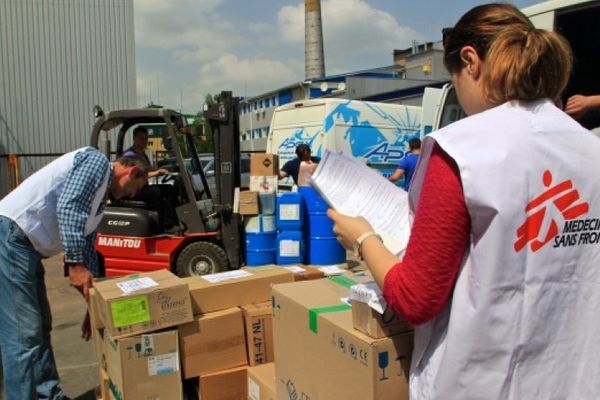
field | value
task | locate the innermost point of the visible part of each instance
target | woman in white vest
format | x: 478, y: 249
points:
x: 56, y: 209
x: 501, y: 274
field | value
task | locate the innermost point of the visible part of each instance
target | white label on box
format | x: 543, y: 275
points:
x: 136, y: 284
x: 225, y: 276
x: 331, y: 270
x: 289, y: 248
x: 370, y: 294
x: 163, y: 364
x: 147, y: 344
x: 295, y: 268
x: 253, y: 390
x: 289, y: 212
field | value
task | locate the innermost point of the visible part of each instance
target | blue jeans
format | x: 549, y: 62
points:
x: 25, y: 320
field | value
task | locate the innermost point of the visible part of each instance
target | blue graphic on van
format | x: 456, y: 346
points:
x: 366, y: 140
x: 287, y: 149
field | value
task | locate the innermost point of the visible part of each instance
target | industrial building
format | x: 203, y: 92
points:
x: 403, y: 82
x: 58, y: 60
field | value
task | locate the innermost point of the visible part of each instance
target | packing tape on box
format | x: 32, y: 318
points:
x: 313, y: 313
x: 343, y: 281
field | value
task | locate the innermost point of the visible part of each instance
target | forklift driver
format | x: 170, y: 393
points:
x: 159, y: 198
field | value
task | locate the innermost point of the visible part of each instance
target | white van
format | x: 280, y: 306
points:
x: 377, y: 133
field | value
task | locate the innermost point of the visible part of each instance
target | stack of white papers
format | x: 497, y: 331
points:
x: 352, y: 188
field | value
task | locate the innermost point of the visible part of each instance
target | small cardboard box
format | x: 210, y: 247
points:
x: 213, y: 342
x: 261, y: 382
x: 319, y: 355
x: 376, y: 325
x: 258, y: 319
x: 264, y: 164
x: 262, y: 183
x: 143, y: 303
x: 234, y: 288
x: 249, y: 203
x: 305, y: 273
x: 230, y: 384
x: 144, y: 367
x: 94, y: 310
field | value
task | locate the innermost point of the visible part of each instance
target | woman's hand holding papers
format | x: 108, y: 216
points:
x: 378, y: 258
x: 348, y: 229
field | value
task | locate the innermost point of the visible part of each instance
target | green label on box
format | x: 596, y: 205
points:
x: 132, y: 310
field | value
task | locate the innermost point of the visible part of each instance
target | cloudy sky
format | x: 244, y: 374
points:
x: 187, y: 48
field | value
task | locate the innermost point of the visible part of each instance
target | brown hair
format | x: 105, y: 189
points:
x: 134, y: 161
x: 521, y: 62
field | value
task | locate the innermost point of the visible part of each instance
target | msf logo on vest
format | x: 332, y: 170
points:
x: 541, y: 229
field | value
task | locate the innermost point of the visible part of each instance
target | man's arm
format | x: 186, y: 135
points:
x: 286, y: 170
x: 578, y: 105
x: 398, y: 173
x: 400, y: 170
x: 73, y: 210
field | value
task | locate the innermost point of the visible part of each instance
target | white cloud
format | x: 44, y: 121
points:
x: 248, y: 75
x: 188, y: 48
x: 350, y: 27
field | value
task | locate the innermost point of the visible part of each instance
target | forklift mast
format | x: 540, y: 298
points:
x: 223, y: 118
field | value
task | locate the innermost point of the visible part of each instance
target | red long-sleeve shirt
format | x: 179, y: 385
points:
x: 419, y: 287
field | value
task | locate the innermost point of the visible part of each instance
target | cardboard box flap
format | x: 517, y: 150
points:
x: 253, y: 285
x: 137, y: 284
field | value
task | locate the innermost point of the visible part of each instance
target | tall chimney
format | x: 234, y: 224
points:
x: 313, y: 40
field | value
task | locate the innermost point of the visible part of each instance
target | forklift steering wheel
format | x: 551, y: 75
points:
x: 168, y: 177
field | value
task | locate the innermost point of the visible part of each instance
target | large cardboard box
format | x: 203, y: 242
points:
x: 144, y: 367
x: 234, y: 288
x: 249, y: 203
x: 213, y: 342
x: 143, y: 303
x: 261, y: 382
x: 230, y: 384
x: 319, y: 355
x: 376, y: 325
x: 258, y: 319
x: 264, y: 164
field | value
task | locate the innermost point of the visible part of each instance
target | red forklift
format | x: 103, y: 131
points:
x: 130, y: 238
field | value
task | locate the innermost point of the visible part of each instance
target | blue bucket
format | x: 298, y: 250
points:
x: 313, y: 200
x: 325, y: 251
x: 319, y: 225
x: 322, y: 247
x: 260, y: 248
x: 290, y: 211
x: 290, y: 247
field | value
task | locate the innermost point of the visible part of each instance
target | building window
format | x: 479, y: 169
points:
x: 285, y: 97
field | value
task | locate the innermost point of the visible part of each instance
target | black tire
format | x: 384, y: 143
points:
x: 201, y: 258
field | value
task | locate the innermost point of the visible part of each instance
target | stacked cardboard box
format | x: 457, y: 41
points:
x: 319, y: 354
x: 231, y: 329
x: 139, y: 361
x: 261, y: 382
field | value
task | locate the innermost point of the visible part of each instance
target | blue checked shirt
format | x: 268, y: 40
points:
x: 75, y: 204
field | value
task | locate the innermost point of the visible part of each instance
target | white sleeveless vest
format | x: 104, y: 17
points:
x: 32, y: 205
x: 523, y: 320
